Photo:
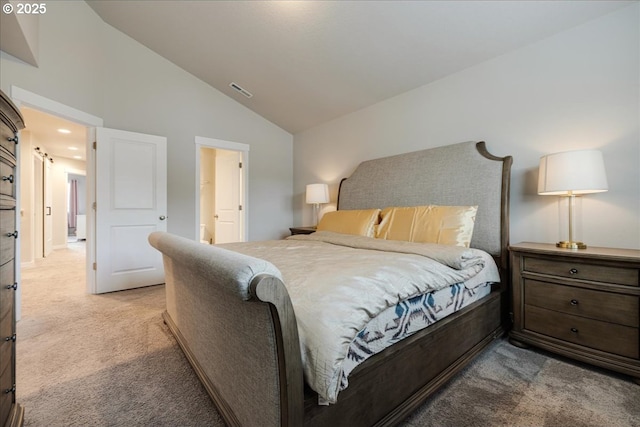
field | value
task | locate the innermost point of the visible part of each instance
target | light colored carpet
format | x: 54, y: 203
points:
x: 109, y: 360
x: 100, y: 360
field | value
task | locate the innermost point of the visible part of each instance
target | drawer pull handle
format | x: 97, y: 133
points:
x: 14, y: 234
x: 11, y: 338
x: 10, y: 390
x: 574, y: 302
x: 573, y: 271
x: 8, y: 178
x: 14, y: 286
x: 14, y: 139
x: 574, y: 330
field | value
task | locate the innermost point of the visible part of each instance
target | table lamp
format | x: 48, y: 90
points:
x: 570, y: 174
x: 316, y: 194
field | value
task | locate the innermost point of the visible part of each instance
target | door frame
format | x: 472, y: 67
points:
x: 22, y: 97
x: 37, y: 196
x: 243, y: 149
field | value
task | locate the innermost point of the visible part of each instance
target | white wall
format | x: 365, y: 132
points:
x: 578, y: 89
x: 88, y: 65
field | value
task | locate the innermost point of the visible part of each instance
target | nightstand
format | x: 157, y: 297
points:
x: 583, y: 304
x: 302, y: 230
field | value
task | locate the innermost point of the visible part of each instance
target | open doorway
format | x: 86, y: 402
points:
x: 53, y: 149
x: 76, y: 206
x: 87, y: 124
x: 105, y: 260
x: 221, y: 207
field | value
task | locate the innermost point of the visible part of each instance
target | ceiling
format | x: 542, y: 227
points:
x: 44, y: 130
x: 307, y: 62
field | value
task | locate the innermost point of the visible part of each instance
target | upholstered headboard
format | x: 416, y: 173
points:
x: 459, y: 174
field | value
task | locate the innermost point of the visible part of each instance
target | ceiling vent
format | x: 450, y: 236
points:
x: 237, y: 88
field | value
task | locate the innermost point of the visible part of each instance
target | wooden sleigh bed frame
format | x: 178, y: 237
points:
x: 238, y: 330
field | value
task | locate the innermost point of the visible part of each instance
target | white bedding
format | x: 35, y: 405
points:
x: 338, y: 283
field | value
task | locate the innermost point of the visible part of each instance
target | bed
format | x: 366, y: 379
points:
x: 238, y: 324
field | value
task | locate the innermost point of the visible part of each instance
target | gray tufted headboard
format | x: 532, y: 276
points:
x: 456, y: 175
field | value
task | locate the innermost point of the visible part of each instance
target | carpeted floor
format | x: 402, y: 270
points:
x: 109, y: 360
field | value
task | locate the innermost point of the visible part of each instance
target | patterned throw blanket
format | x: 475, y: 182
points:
x: 338, y: 283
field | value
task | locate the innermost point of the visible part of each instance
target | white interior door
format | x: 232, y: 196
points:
x: 131, y: 202
x: 48, y: 201
x: 228, y: 196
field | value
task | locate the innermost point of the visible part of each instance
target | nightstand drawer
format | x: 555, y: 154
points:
x: 577, y: 270
x: 609, y: 337
x: 599, y: 305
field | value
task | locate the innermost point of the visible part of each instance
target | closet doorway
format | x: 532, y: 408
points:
x: 221, y: 191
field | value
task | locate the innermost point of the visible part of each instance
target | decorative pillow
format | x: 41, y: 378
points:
x: 359, y: 222
x: 446, y: 225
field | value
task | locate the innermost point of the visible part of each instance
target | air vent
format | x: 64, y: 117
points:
x: 239, y: 89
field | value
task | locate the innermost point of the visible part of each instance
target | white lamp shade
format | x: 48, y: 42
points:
x: 317, y: 193
x: 572, y: 172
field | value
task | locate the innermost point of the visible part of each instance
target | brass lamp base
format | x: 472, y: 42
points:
x: 571, y: 245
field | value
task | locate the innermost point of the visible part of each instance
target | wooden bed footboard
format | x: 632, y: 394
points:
x: 291, y: 388
x: 236, y: 326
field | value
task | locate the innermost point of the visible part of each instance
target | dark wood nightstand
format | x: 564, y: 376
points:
x: 302, y: 230
x: 583, y: 304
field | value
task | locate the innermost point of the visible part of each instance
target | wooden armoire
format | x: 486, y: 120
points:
x: 11, y: 413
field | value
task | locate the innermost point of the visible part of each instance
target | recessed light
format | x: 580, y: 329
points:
x: 73, y: 148
x: 64, y: 131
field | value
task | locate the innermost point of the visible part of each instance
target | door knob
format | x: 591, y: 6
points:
x: 216, y: 216
x: 162, y: 217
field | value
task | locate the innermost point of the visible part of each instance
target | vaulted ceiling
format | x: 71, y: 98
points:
x: 307, y: 62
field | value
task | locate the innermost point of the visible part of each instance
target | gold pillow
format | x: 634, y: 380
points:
x: 359, y: 222
x: 446, y: 225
